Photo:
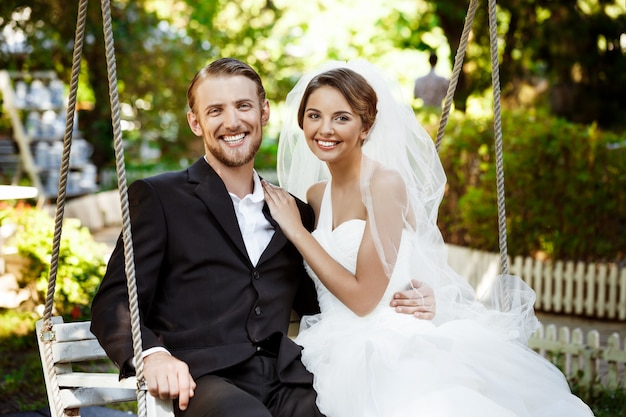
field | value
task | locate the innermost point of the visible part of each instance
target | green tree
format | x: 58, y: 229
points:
x: 576, y: 48
x: 570, y: 56
x: 154, y: 60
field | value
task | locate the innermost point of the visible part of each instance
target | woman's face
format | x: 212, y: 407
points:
x: 332, y: 129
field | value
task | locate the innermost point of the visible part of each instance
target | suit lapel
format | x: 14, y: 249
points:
x: 278, y: 240
x: 212, y: 191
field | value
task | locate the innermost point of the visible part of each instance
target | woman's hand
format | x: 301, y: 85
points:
x: 284, y: 210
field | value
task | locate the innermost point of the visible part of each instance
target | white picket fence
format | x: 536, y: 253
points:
x: 583, y: 359
x: 591, y: 290
x: 596, y: 291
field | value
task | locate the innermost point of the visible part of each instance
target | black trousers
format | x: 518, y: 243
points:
x: 250, y: 389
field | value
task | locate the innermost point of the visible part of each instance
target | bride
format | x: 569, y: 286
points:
x: 374, y: 179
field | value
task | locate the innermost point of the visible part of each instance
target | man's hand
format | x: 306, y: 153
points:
x: 418, y: 301
x: 168, y: 378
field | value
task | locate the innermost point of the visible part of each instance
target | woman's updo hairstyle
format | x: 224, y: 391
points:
x: 357, y: 91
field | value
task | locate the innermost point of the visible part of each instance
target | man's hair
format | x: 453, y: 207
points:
x: 224, y: 67
x: 432, y: 59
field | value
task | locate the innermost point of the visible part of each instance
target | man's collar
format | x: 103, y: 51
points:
x: 258, y: 194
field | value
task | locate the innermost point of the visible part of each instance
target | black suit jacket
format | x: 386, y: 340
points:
x: 199, y: 295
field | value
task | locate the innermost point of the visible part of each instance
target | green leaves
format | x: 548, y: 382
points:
x: 81, y: 263
x: 564, y: 187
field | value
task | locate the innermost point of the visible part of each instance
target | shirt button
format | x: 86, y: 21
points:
x: 256, y: 274
x: 257, y: 310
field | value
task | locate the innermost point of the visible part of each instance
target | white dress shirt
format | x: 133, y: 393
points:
x: 256, y: 230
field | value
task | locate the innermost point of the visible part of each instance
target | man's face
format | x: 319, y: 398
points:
x: 229, y: 118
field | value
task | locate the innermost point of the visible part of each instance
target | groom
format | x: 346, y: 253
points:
x: 217, y: 279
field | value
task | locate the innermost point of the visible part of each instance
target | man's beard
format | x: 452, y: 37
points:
x: 234, y: 159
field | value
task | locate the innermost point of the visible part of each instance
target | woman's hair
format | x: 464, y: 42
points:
x: 224, y: 67
x: 357, y: 91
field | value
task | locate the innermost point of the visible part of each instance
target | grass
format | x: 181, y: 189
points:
x: 21, y: 381
x: 22, y: 387
x: 605, y: 402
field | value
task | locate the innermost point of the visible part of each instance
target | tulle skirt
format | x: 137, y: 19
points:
x: 392, y: 365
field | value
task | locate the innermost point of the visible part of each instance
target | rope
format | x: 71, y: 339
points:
x: 61, y: 197
x: 497, y: 127
x: 60, y: 207
x: 495, y: 80
x: 458, y: 64
x: 123, y: 188
x: 65, y: 161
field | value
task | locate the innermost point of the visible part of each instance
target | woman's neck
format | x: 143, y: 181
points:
x: 346, y: 193
x: 344, y: 173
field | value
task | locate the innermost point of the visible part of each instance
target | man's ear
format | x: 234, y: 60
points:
x: 265, y: 112
x: 194, y: 124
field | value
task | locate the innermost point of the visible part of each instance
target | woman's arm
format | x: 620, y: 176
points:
x: 361, y: 291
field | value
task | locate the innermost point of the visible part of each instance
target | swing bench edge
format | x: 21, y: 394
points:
x: 71, y: 344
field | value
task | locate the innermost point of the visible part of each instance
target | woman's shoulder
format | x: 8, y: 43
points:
x: 314, y: 195
x: 386, y: 180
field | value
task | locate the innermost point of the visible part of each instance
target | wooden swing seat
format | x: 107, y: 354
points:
x: 73, y: 344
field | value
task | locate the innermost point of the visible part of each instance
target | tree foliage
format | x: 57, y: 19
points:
x: 572, y: 53
x: 155, y: 60
x: 563, y: 182
x: 569, y: 57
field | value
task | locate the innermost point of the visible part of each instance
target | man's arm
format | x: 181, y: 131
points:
x: 165, y: 376
x: 110, y: 315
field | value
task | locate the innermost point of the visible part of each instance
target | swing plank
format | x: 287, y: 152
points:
x: 73, y: 344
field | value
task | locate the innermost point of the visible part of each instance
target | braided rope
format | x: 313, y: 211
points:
x: 497, y: 127
x: 495, y: 80
x: 60, y: 206
x: 123, y: 188
x: 458, y: 65
x: 65, y: 161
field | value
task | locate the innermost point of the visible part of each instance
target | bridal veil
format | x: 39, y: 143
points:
x: 398, y: 142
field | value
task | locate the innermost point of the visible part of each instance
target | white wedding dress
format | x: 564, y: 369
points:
x: 388, y: 364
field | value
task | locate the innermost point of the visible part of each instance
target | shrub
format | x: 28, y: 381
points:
x: 563, y: 187
x: 81, y: 264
